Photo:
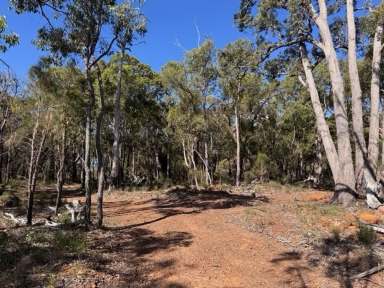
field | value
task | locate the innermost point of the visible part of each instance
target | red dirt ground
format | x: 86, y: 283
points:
x: 197, y: 239
x: 182, y: 238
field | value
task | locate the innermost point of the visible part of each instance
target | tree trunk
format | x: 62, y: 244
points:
x: 60, y: 171
x: 116, y: 127
x: 357, y: 109
x: 208, y: 179
x: 374, y: 122
x: 318, y: 169
x: 33, y: 167
x: 192, y: 156
x: 87, y: 156
x: 99, y: 152
x: 323, y: 129
x: 346, y: 184
x: 238, y: 155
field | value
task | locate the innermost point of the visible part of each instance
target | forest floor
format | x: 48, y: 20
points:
x: 283, y: 236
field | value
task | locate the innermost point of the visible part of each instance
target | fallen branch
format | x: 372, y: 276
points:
x: 51, y: 223
x: 377, y: 228
x: 17, y: 220
x: 368, y: 272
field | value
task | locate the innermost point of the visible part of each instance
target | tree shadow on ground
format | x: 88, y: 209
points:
x: 110, y: 259
x: 182, y: 201
x: 340, y: 258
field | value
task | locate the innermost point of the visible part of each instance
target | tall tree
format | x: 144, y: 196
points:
x: 311, y: 32
x: 235, y: 65
x: 128, y: 23
x: 80, y: 34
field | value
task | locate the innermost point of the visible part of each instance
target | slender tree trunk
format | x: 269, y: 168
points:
x: 87, y: 156
x: 382, y: 145
x: 133, y: 171
x: 238, y: 152
x: 357, y: 109
x: 99, y: 151
x: 33, y: 167
x: 192, y: 156
x: 318, y: 169
x: 116, y: 127
x: 374, y: 123
x: 168, y: 165
x: 346, y: 182
x: 8, y: 168
x: 208, y: 179
x: 60, y: 171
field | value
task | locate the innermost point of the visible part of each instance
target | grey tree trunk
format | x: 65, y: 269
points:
x: 116, y: 127
x: 33, y: 168
x: 238, y: 155
x: 60, y: 171
x: 361, y: 154
x: 318, y: 169
x: 87, y: 152
x: 321, y: 124
x: 346, y: 184
x: 341, y: 194
x: 374, y: 122
x: 99, y: 152
x: 208, y: 179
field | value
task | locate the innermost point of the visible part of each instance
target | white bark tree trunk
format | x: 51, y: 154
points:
x: 323, y: 129
x: 374, y: 122
x: 116, y: 127
x: 357, y: 109
x: 347, y: 181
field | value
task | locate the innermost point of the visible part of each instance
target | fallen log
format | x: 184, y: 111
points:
x: 368, y: 272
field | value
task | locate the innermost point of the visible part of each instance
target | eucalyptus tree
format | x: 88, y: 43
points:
x: 193, y: 82
x: 8, y: 83
x: 7, y: 39
x: 63, y: 86
x: 308, y: 32
x: 235, y: 66
x: 128, y: 22
x: 77, y: 28
x: 35, y: 113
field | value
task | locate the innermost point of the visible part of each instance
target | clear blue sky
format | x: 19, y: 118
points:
x: 170, y: 21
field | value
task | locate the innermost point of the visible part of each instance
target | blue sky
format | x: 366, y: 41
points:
x: 170, y: 22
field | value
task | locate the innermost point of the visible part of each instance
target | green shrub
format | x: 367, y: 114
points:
x: 70, y: 241
x: 39, y: 238
x: 262, y: 169
x: 366, y: 235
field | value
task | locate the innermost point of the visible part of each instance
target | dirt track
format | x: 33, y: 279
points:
x: 182, y: 238
x: 215, y: 239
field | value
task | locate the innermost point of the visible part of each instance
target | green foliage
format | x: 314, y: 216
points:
x: 366, y: 235
x: 70, y: 241
x: 7, y: 40
x: 261, y: 169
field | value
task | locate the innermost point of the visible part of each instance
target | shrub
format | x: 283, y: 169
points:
x: 262, y: 169
x: 366, y: 235
x: 70, y: 241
